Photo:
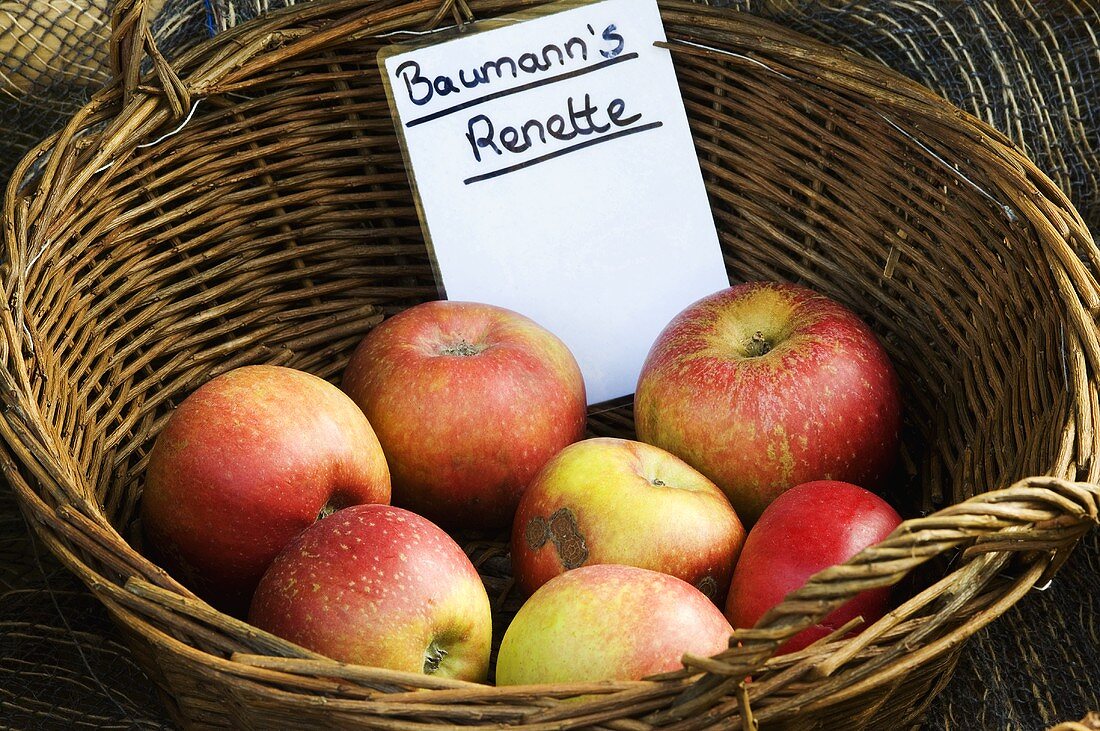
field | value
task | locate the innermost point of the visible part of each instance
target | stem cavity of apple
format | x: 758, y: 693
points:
x: 708, y: 585
x: 462, y: 348
x: 433, y: 658
x: 757, y: 345
x: 658, y: 482
x: 334, y: 503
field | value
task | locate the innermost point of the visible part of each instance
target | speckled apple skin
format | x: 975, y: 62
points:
x: 608, y: 622
x: 244, y: 464
x: 806, y: 530
x: 823, y: 403
x: 377, y: 585
x: 464, y: 434
x: 616, y: 501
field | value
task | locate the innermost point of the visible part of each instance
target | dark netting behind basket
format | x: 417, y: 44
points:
x: 53, y: 56
x: 1031, y: 68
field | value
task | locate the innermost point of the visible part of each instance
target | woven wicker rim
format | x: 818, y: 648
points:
x: 1037, y: 520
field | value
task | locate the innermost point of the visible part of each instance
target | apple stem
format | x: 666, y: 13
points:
x: 758, y: 345
x: 433, y: 658
x: 326, y: 510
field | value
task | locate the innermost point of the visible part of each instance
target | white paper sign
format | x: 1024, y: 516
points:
x: 557, y: 177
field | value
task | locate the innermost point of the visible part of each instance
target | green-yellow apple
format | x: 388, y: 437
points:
x: 469, y: 401
x: 608, y: 622
x: 617, y: 501
x: 764, y: 386
x: 377, y: 585
x: 805, y: 530
x: 243, y: 465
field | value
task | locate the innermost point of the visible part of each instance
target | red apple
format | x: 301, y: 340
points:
x: 469, y: 401
x: 377, y: 585
x: 613, y: 501
x: 806, y: 530
x: 608, y: 622
x: 764, y: 386
x: 247, y: 462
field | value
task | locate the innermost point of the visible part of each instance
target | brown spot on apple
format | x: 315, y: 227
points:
x: 537, y: 532
x: 567, y: 538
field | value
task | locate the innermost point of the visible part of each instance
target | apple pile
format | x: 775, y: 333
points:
x: 763, y: 406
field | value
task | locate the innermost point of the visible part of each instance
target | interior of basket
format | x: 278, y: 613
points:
x: 271, y: 225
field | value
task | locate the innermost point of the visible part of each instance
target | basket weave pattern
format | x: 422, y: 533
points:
x: 277, y: 226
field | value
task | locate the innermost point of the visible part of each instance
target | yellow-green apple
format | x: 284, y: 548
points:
x: 766, y: 385
x: 469, y: 401
x: 806, y: 530
x: 377, y: 585
x: 608, y: 622
x: 615, y: 501
x: 243, y: 465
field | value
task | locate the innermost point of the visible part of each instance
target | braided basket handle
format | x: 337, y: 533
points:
x: 131, y: 39
x: 1042, y: 515
x: 1039, y: 517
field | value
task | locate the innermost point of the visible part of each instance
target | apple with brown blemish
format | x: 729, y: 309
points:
x: 469, y: 401
x: 764, y: 386
x: 806, y: 530
x: 616, y: 501
x: 377, y: 585
x: 244, y: 464
x: 608, y: 622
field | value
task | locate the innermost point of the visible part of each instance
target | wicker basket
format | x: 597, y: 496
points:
x: 277, y: 226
